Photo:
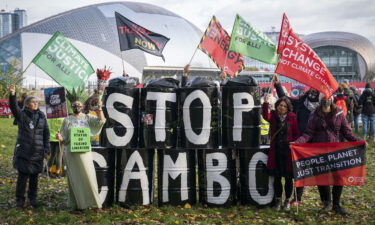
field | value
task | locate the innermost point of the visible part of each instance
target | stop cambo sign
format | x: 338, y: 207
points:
x: 184, y: 124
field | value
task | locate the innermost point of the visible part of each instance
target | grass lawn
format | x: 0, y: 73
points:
x: 358, y: 200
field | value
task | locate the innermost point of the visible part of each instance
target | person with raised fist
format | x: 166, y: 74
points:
x: 32, y: 146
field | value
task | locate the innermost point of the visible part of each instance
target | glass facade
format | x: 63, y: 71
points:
x: 341, y: 62
x: 6, y: 24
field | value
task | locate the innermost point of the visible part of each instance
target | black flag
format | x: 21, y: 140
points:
x: 131, y: 35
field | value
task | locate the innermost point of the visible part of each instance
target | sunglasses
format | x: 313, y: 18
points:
x: 77, y: 106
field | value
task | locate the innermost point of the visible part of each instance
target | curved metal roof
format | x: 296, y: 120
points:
x: 355, y: 42
x: 96, y: 25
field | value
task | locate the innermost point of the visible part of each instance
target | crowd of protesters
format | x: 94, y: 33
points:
x: 319, y: 120
x: 310, y: 118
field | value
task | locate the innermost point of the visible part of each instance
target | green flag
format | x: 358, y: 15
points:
x: 252, y: 43
x: 64, y: 63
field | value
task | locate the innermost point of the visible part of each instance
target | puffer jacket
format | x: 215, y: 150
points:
x: 367, y: 100
x: 329, y: 129
x: 32, y: 140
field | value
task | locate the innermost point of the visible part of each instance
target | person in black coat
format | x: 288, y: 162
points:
x: 32, y: 146
x: 302, y: 107
x: 367, y: 101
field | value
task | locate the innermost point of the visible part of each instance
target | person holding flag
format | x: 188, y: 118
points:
x: 328, y: 124
x: 284, y: 129
x: 302, y: 107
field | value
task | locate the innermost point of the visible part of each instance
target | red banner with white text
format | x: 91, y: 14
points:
x: 215, y: 43
x: 284, y: 33
x: 299, y: 62
x: 341, y: 163
x: 4, y: 108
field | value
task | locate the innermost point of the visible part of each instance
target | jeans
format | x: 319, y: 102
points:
x: 366, y: 120
x: 356, y: 121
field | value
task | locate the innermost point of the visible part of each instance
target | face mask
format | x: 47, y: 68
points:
x: 312, y: 97
x: 326, y: 103
x: 76, y: 110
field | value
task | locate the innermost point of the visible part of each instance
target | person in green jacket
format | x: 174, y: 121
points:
x: 56, y: 151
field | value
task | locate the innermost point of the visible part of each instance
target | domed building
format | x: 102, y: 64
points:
x: 346, y: 55
x: 92, y: 30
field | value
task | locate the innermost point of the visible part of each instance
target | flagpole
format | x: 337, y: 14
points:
x: 295, y: 194
x: 122, y: 60
x: 193, y: 55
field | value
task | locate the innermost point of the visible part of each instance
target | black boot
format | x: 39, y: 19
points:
x: 20, y: 203
x: 339, y: 210
x: 326, y: 206
x: 34, y: 203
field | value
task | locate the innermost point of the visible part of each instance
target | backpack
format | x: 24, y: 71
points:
x: 340, y: 102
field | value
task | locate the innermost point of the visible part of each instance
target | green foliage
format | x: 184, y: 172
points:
x: 11, y: 76
x: 53, y: 193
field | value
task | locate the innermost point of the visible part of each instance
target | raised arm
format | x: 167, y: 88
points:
x: 16, y: 111
x: 265, y: 109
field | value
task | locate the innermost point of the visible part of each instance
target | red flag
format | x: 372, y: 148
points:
x: 284, y: 33
x: 340, y: 163
x: 299, y: 62
x: 215, y: 43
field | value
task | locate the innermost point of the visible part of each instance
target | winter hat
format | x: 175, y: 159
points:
x: 27, y: 100
x: 344, y: 85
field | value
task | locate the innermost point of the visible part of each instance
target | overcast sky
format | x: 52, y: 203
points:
x: 306, y: 16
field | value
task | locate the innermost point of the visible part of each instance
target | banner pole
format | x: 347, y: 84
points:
x: 122, y: 61
x: 191, y: 59
x: 295, y: 195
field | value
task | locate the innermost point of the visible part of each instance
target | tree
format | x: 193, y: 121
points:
x: 8, y: 77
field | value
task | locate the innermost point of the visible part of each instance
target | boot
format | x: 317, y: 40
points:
x: 20, y: 203
x: 339, y: 210
x: 34, y: 203
x: 326, y: 206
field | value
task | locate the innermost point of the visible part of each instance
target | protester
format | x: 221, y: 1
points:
x: 91, y: 107
x: 83, y: 187
x: 55, y: 159
x: 303, y: 107
x: 357, y: 109
x: 328, y: 124
x: 185, y: 75
x: 342, y: 102
x: 264, y: 125
x: 32, y: 146
x: 367, y: 101
x: 350, y: 102
x: 284, y: 129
